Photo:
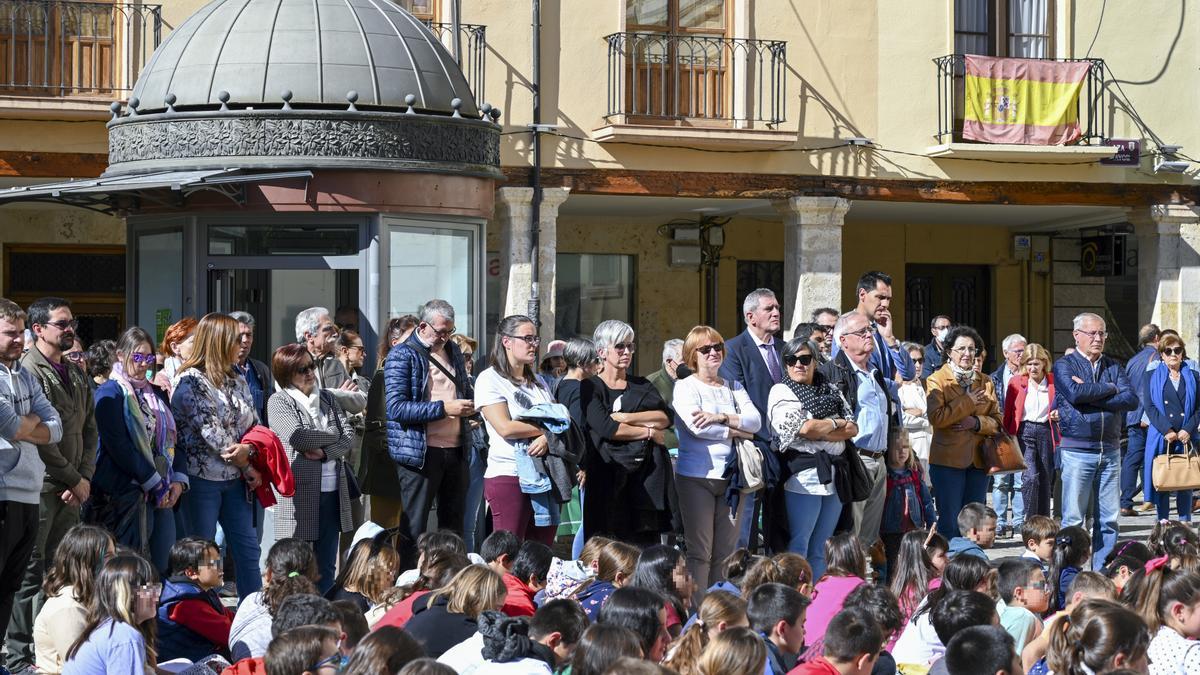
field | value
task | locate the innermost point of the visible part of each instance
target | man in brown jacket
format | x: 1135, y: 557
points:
x: 69, y: 462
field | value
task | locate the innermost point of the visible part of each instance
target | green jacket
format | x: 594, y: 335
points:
x: 666, y: 388
x: 74, y: 456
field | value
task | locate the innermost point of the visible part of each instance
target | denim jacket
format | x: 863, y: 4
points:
x: 904, y: 486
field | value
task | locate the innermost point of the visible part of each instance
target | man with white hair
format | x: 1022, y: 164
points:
x: 1013, y: 348
x: 317, y: 332
x: 1093, y: 395
x: 664, y: 379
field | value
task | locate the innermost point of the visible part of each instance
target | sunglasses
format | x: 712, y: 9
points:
x: 707, y: 349
x: 1172, y: 351
x: 304, y: 370
x: 627, y: 347
x: 142, y: 359
x: 63, y: 325
x: 74, y: 356
x: 803, y: 359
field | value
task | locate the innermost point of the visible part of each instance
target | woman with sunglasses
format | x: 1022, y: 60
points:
x: 139, y: 475
x: 1029, y: 410
x: 710, y: 415
x: 812, y: 421
x: 629, y: 476
x: 317, y: 436
x: 963, y: 411
x: 1173, y: 408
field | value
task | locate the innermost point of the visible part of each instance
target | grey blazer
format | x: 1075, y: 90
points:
x: 300, y: 516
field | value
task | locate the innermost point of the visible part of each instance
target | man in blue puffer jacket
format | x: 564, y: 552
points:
x: 428, y: 403
x: 1093, y: 394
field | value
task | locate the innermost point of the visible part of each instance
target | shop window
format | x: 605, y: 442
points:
x: 434, y: 260
x: 592, y: 288
x: 254, y: 240
x: 1016, y: 28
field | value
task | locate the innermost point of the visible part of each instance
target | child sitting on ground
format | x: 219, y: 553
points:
x: 939, y: 554
x: 1126, y: 557
x: 1025, y: 596
x: 1072, y: 554
x: 977, y: 523
x: 528, y: 576
x: 614, y: 568
x: 1169, y: 602
x: 1038, y: 534
x: 852, y: 644
x: 982, y: 649
x: 956, y: 612
x: 369, y: 570
x: 908, y: 505
x: 1086, y: 586
x: 776, y: 612
x: 914, y: 574
x: 1098, y: 636
x: 192, y: 622
x: 846, y: 569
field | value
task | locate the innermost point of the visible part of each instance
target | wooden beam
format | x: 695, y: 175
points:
x: 716, y: 185
x: 21, y: 164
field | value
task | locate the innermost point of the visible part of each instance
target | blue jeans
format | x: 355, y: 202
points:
x: 209, y: 501
x: 1004, y: 485
x: 747, y: 516
x: 326, y: 545
x: 954, y: 489
x: 474, y: 523
x: 811, y: 521
x: 1162, y: 500
x: 162, y: 537
x: 578, y: 542
x: 1093, y: 479
x: 1131, y: 464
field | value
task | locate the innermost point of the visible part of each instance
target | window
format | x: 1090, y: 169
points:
x: 1017, y: 28
x: 421, y: 9
x: 434, y: 260
x: 92, y: 277
x: 592, y: 288
x: 677, y: 58
x: 755, y: 274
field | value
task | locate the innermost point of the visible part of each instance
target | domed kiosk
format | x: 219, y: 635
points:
x: 279, y: 154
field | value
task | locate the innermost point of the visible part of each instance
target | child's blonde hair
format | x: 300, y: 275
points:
x: 901, y: 439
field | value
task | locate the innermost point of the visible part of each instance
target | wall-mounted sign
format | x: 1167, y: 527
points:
x: 1129, y: 152
x: 1102, y: 255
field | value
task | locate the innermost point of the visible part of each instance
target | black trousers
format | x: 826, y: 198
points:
x: 443, y: 478
x: 18, y: 536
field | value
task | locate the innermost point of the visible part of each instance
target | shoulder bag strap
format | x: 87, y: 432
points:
x: 457, y: 387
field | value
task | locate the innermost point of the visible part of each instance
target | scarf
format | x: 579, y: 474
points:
x: 822, y: 401
x: 964, y: 375
x: 138, y: 392
x: 311, y: 404
x: 506, y: 639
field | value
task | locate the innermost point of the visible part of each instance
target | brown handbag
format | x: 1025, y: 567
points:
x: 1002, y: 454
x: 1177, y: 471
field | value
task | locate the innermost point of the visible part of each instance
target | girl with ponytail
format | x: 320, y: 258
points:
x: 291, y: 569
x: 719, y: 611
x: 1168, y: 600
x: 1097, y: 637
x: 1072, y: 554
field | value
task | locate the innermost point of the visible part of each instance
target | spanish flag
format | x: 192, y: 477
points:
x: 1023, y: 101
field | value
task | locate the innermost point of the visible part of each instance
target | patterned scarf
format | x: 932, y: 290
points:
x: 821, y: 400
x: 964, y: 376
x: 140, y: 423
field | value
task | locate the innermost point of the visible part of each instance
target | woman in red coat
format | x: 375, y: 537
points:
x: 1029, y: 415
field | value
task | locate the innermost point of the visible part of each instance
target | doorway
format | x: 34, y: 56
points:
x: 962, y: 292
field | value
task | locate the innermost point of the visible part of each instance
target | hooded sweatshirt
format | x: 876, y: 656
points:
x: 22, y: 471
x: 963, y: 546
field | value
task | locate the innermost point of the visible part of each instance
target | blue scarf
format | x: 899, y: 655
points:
x: 1155, y: 444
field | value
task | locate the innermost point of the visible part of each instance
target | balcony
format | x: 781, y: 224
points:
x: 695, y: 90
x: 72, y: 58
x: 472, y: 51
x: 1090, y: 108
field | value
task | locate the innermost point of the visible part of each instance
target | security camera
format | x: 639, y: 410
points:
x: 1171, y: 166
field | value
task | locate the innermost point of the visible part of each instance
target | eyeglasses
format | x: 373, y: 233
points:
x: 215, y: 563
x: 304, y: 370
x: 532, y: 340
x: 1036, y: 586
x: 142, y: 359
x: 1093, y: 334
x: 352, y: 348
x: 1172, y: 351
x: 334, y: 662
x: 706, y: 349
x: 442, y: 333
x: 965, y: 350
x: 630, y: 347
x: 63, y: 325
x: 74, y: 356
x: 863, y: 332
x: 792, y: 359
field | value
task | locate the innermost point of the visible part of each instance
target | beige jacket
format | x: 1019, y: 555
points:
x: 948, y: 404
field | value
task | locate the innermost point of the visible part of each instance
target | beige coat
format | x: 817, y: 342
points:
x: 948, y: 404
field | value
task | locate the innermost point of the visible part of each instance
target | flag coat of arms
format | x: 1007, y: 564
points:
x: 1022, y: 101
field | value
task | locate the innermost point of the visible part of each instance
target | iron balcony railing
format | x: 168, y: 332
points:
x: 695, y: 77
x: 950, y: 97
x: 62, y: 48
x: 472, y: 45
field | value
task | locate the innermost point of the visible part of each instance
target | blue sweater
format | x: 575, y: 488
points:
x: 1092, y: 412
x: 115, y: 648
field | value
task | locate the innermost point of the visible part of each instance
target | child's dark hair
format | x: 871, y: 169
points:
x: 914, y: 571
x: 77, y: 559
x: 1086, y: 640
x: 1038, y: 528
x: 851, y: 633
x: 303, y: 610
x: 738, y: 564
x: 637, y: 609
x: 1154, y: 588
x: 771, y: 603
x: 602, y: 645
x: 964, y: 573
x: 298, y: 649
x: 563, y: 616
x: 498, y: 543
x: 973, y: 516
x: 426, y: 665
x: 981, y: 649
x: 115, y: 599
x: 532, y: 562
x: 763, y: 570
x: 1072, y: 547
x: 880, y: 604
x: 655, y: 571
x: 1179, y: 542
x: 292, y: 568
x: 190, y: 553
x: 1014, y: 574
x: 354, y: 622
x: 957, y: 610
x: 440, y: 540
x: 937, y: 543
x: 796, y: 570
x: 616, y: 558
x: 370, y: 569
x: 386, y: 649
x: 1130, y: 552
x: 1155, y: 539
x: 844, y: 556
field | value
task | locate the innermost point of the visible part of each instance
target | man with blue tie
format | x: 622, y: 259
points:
x: 752, y: 358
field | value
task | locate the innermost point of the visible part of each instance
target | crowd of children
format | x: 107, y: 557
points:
x: 940, y: 607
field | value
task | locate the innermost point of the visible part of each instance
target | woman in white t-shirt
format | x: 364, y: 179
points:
x: 505, y: 390
x: 710, y: 414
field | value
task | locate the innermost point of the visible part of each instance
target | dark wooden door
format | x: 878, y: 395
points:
x: 962, y: 292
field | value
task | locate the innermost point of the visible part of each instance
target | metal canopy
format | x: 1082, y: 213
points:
x: 109, y: 195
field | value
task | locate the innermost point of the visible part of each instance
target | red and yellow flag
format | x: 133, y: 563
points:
x: 1023, y: 101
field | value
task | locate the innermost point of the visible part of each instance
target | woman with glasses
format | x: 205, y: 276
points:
x: 214, y: 409
x: 317, y: 437
x: 812, y: 421
x: 1173, y: 408
x: 711, y: 414
x: 1029, y: 409
x: 629, y: 476
x: 504, y: 391
x: 139, y: 475
x: 964, y: 411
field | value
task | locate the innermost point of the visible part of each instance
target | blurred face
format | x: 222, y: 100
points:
x: 1173, y: 355
x: 184, y: 347
x: 938, y: 557
x: 354, y: 354
x: 522, y: 345
x: 876, y: 302
x: 684, y: 584
x: 1036, y: 592
x: 137, y: 363
x: 1036, y: 369
x: 620, y: 355
x: 305, y: 378
x: 899, y: 452
x: 985, y: 534
x: 212, y: 571
x: 145, y: 603
x: 435, y: 333
x: 801, y: 365
x: 963, y: 351
x: 59, y: 331
x: 1090, y: 338
x: 1013, y: 355
x: 766, y: 316
x: 245, y: 341
x: 709, y: 356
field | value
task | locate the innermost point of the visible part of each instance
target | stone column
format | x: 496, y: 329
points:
x: 812, y: 257
x: 514, y: 207
x: 1169, y: 268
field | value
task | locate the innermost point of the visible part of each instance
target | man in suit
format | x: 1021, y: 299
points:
x: 1135, y: 425
x: 753, y: 358
x: 854, y: 373
x: 1013, y: 348
x: 935, y: 352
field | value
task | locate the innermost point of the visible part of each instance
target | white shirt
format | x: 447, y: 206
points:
x: 768, y: 353
x: 491, y: 388
x: 1037, y: 401
x: 311, y: 404
x: 703, y: 452
x: 1006, y: 376
x: 918, y: 644
x: 787, y: 415
x: 466, y: 658
x: 913, y: 396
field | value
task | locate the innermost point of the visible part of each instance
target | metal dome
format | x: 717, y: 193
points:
x: 319, y: 50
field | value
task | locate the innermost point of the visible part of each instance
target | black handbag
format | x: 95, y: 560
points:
x: 856, y: 482
x: 351, y: 482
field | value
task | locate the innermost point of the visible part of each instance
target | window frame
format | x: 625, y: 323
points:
x: 432, y: 17
x: 999, y: 38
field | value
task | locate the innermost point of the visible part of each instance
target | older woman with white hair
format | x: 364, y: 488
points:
x: 629, y: 476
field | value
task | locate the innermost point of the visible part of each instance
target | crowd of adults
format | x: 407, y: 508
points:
x: 135, y: 469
